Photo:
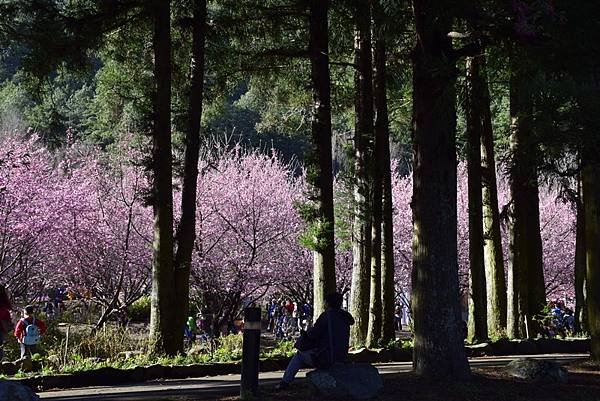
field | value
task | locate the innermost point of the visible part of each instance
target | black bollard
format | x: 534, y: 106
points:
x: 250, y: 353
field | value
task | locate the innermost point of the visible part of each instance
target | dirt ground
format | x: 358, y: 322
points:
x: 489, y: 384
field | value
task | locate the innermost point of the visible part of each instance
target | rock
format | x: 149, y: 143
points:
x: 363, y: 355
x: 129, y: 354
x: 8, y: 368
x: 12, y: 391
x: 402, y: 354
x: 535, y: 370
x: 358, y: 381
x: 271, y: 365
x: 24, y: 365
x: 153, y: 372
x: 106, y: 376
x: 480, y: 349
x: 503, y: 347
x: 136, y: 374
x: 54, y: 360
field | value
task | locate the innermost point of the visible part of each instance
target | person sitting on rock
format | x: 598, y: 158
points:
x: 324, y: 344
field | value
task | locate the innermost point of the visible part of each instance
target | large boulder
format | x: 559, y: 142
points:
x: 536, y: 370
x: 24, y: 364
x: 358, y: 381
x: 8, y: 368
x: 13, y: 391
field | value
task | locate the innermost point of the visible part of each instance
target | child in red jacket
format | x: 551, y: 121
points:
x: 29, y: 331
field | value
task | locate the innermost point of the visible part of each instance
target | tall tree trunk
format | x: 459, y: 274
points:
x: 361, y: 238
x: 164, y: 332
x: 321, y: 177
x: 375, y: 306
x: 382, y: 135
x: 580, y: 265
x: 492, y: 239
x: 591, y: 199
x: 477, y: 327
x: 186, y: 230
x: 527, y: 287
x: 438, y: 340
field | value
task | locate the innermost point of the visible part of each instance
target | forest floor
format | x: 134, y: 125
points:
x: 487, y: 384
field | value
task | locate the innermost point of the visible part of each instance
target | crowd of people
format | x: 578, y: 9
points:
x: 561, y: 320
x: 286, y: 318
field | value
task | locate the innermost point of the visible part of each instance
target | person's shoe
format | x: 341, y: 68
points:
x: 282, y: 386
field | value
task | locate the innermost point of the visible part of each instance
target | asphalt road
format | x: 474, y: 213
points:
x: 204, y: 388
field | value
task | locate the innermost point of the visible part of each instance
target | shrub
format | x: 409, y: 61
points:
x: 229, y: 348
x: 139, y: 311
x: 283, y: 349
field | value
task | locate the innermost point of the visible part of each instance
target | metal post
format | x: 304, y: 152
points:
x: 250, y: 353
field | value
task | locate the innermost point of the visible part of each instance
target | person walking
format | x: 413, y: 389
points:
x: 5, y: 320
x: 323, y: 345
x: 29, y: 331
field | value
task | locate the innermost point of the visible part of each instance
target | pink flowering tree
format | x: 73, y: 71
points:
x: 105, y: 237
x: 247, y: 231
x: 557, y: 220
x: 31, y: 203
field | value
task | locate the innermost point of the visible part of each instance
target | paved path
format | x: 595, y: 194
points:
x: 203, y: 388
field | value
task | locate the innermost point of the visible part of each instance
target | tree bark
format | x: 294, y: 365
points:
x: 361, y: 236
x: 492, y: 245
x: 322, y: 178
x: 382, y: 135
x: 591, y: 199
x: 477, y: 325
x: 580, y: 265
x: 164, y: 332
x: 438, y: 342
x: 375, y: 306
x: 186, y: 230
x: 527, y: 287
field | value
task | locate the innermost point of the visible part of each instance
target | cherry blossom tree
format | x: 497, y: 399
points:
x: 105, y: 237
x: 247, y: 230
x: 30, y: 203
x: 77, y: 218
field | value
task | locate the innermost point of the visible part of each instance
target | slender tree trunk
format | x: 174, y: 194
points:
x: 438, y: 341
x: 580, y: 265
x: 322, y: 176
x: 375, y: 306
x: 361, y: 238
x: 591, y: 199
x: 477, y: 326
x: 526, y: 268
x: 382, y: 135
x: 186, y: 230
x: 492, y: 239
x: 164, y: 332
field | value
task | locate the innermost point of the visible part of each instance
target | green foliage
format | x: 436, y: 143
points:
x: 498, y: 336
x: 139, y: 311
x: 404, y: 344
x: 229, y: 349
x: 123, y: 348
x: 284, y: 349
x: 315, y: 236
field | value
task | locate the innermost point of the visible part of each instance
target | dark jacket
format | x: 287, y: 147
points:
x: 318, y: 336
